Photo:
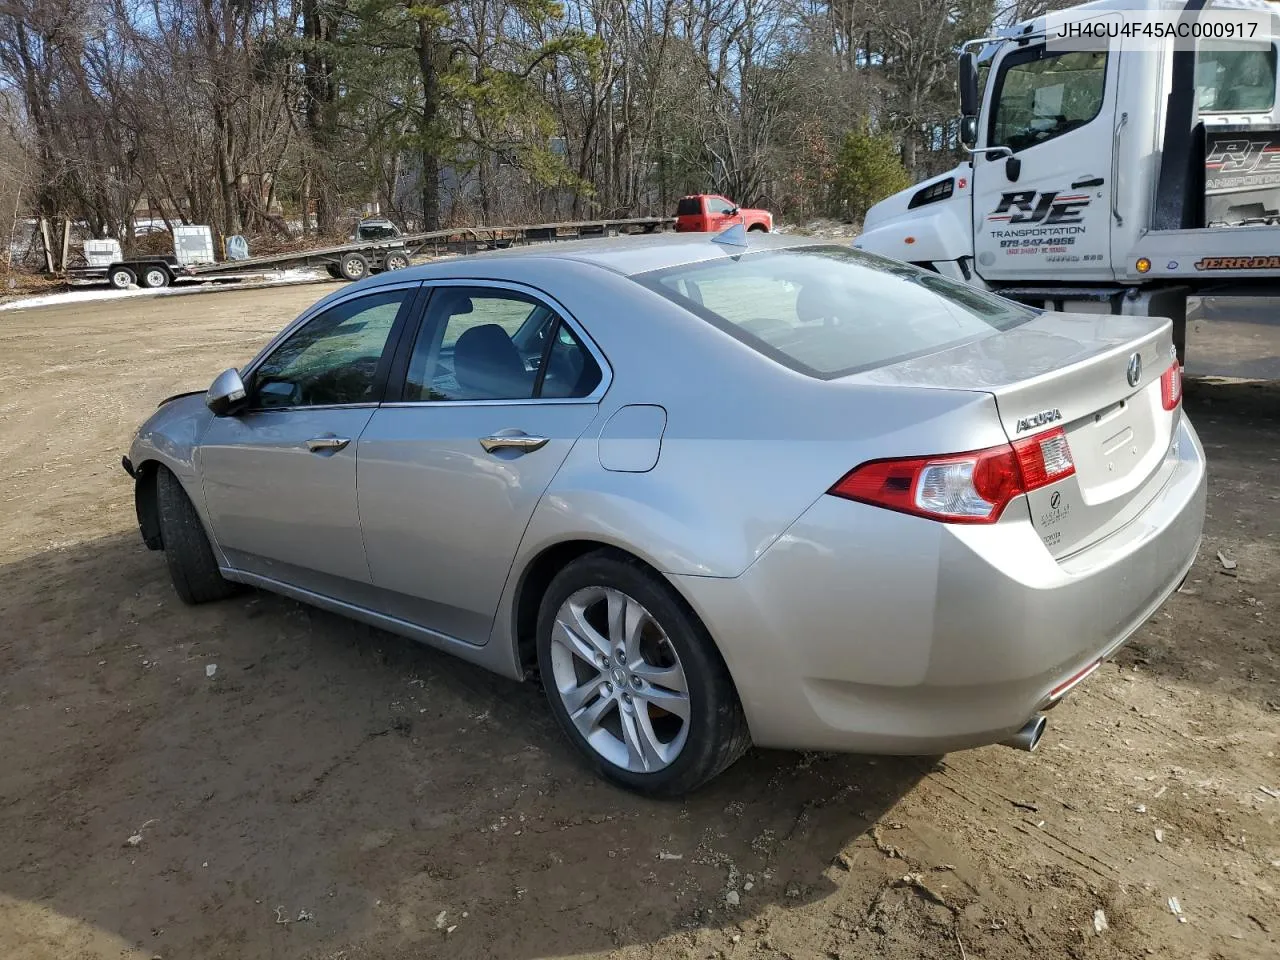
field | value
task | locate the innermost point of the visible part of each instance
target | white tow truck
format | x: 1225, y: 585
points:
x: 1116, y: 180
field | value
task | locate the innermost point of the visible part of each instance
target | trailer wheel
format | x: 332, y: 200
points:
x: 122, y: 278
x: 395, y: 261
x: 354, y: 267
x: 333, y: 271
x: 154, y: 277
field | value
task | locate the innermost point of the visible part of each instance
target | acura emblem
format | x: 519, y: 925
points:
x: 1134, y: 373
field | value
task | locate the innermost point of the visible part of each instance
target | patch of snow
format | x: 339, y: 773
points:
x: 75, y: 296
x: 98, y: 293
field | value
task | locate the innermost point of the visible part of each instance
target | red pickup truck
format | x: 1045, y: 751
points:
x: 708, y: 212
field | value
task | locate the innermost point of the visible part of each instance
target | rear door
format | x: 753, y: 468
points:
x: 497, y: 386
x: 1044, y: 213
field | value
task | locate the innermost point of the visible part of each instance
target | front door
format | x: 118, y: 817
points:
x: 280, y: 477
x: 1044, y: 214
x: 497, y: 391
x: 720, y: 214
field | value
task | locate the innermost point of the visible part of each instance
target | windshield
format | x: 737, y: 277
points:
x: 832, y: 311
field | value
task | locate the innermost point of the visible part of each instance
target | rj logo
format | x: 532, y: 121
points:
x: 1047, y: 208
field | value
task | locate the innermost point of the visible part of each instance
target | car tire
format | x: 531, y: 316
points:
x: 353, y: 266
x: 155, y: 277
x: 192, y: 565
x: 121, y: 278
x: 395, y: 261
x: 715, y: 730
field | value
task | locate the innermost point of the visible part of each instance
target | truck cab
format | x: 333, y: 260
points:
x: 1114, y: 179
x: 711, y: 213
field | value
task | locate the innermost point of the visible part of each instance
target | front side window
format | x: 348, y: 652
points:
x: 477, y: 343
x: 333, y: 358
x: 1043, y: 98
x: 831, y: 311
x: 1239, y: 80
x: 719, y: 205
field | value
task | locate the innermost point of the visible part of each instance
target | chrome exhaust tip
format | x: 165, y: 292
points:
x: 1029, y: 736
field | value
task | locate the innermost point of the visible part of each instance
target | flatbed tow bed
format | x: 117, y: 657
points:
x: 353, y: 261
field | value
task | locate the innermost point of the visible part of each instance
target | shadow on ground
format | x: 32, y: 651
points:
x: 334, y: 771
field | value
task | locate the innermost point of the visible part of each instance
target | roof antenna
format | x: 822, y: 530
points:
x: 735, y: 236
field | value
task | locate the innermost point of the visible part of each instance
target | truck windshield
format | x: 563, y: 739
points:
x: 830, y: 311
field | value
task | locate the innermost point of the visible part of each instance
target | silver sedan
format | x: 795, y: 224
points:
x: 784, y: 493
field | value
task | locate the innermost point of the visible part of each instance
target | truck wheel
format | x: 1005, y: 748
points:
x: 757, y: 228
x: 395, y: 261
x: 354, y: 266
x: 155, y: 277
x: 192, y: 566
x: 121, y: 278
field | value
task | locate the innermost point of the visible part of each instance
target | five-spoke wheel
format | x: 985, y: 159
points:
x: 634, y: 679
x: 620, y: 679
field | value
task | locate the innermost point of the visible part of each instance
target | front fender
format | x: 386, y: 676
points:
x: 169, y: 438
x: 937, y: 230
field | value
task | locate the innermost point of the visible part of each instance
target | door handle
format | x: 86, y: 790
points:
x: 513, y: 441
x: 327, y: 444
x: 1086, y: 182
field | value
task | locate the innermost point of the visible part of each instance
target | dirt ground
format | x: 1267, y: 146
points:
x: 336, y: 793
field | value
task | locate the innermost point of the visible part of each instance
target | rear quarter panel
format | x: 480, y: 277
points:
x: 749, y: 445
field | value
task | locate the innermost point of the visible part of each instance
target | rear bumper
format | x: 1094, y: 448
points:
x: 871, y: 631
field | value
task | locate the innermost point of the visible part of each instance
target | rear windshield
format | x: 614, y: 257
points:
x: 832, y: 311
x: 689, y: 207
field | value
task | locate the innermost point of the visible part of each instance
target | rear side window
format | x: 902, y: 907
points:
x: 478, y: 343
x: 689, y: 207
x: 832, y: 311
x: 1239, y: 80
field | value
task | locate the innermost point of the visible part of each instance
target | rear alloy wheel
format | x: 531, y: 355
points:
x: 395, y: 261
x: 155, y: 277
x: 634, y: 680
x: 353, y: 267
x: 122, y: 278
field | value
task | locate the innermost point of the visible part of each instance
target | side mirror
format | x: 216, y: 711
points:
x: 969, y: 130
x: 735, y: 211
x: 227, y: 391
x: 968, y: 84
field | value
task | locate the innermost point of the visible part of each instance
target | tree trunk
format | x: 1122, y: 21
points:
x: 428, y: 60
x: 306, y: 204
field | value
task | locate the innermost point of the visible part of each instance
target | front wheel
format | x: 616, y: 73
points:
x: 192, y: 565
x: 634, y: 679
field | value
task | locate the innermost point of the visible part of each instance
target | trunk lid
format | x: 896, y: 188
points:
x: 1071, y: 371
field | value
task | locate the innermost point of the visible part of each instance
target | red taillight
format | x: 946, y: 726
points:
x: 965, y: 487
x: 1044, y: 458
x: 1171, y: 386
